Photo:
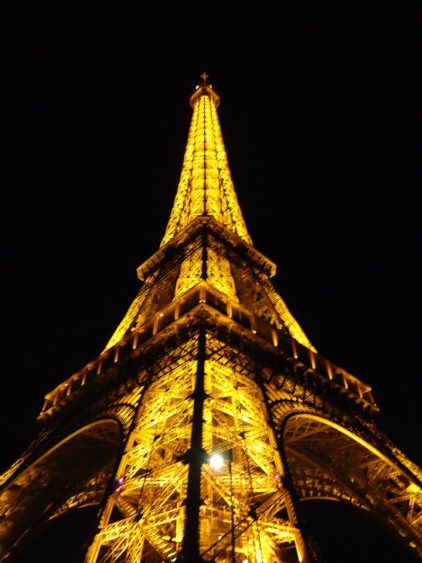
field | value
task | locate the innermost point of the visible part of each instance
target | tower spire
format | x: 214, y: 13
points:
x: 204, y: 76
x: 205, y: 186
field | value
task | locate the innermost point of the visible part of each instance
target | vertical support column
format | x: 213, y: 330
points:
x: 292, y: 500
x: 195, y: 456
x: 107, y: 503
x: 204, y: 271
x: 232, y: 538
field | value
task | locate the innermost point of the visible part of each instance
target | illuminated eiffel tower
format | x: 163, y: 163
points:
x: 209, y: 416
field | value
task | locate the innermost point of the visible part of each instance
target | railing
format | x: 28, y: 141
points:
x: 203, y: 293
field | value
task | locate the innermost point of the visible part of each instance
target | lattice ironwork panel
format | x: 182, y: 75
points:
x: 327, y: 460
x: 60, y: 479
x: 245, y: 504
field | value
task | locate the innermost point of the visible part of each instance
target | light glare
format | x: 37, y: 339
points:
x: 216, y: 461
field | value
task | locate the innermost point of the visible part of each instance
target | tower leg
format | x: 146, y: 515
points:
x: 305, y: 551
x: 196, y: 454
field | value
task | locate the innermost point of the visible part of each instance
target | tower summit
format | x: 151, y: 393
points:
x: 209, y: 417
x: 206, y: 187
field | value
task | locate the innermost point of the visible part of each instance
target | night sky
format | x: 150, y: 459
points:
x: 321, y: 117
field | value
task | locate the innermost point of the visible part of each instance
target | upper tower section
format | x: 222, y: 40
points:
x: 206, y: 246
x: 205, y: 187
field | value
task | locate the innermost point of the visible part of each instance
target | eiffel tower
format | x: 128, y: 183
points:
x: 209, y: 416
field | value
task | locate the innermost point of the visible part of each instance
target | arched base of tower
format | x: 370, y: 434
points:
x: 368, y: 486
x: 72, y: 474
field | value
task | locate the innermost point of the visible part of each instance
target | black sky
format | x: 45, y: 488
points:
x: 321, y: 117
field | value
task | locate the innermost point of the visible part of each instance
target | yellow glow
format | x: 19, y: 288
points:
x: 205, y: 410
x: 205, y: 189
x: 413, y: 488
x: 353, y: 436
x: 205, y: 186
x: 153, y: 479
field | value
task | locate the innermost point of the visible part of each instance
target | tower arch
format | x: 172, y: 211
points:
x: 72, y: 473
x: 329, y: 461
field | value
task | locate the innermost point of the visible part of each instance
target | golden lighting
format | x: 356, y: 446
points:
x: 205, y: 190
x: 241, y: 467
x: 216, y: 390
x: 205, y: 186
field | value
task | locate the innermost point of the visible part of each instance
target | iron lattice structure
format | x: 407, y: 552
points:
x: 209, y: 415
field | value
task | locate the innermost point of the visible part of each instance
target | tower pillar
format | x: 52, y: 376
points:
x: 195, y: 457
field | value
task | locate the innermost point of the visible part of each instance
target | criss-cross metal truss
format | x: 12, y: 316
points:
x: 209, y: 416
x: 211, y: 410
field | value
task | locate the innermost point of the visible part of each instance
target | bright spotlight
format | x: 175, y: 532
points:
x: 216, y: 461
